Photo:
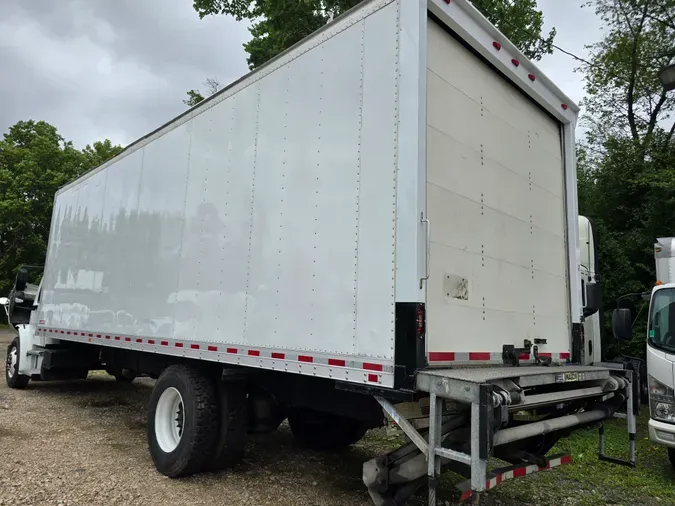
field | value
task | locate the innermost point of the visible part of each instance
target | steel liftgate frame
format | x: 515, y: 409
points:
x: 471, y: 386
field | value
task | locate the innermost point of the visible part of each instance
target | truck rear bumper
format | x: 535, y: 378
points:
x: 662, y: 433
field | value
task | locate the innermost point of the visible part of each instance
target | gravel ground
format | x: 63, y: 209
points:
x: 72, y: 443
x: 84, y: 443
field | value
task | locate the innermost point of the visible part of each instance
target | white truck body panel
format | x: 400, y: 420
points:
x: 664, y: 255
x: 278, y: 223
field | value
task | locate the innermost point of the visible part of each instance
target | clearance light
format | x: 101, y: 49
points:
x: 658, y: 283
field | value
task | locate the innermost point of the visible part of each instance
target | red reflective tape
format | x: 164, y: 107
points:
x: 372, y: 378
x: 178, y: 345
x: 564, y: 356
x: 479, y: 355
x: 278, y: 355
x: 337, y: 362
x: 305, y: 358
x: 545, y: 355
x: 127, y: 339
x: 164, y: 343
x: 151, y: 341
x: 117, y: 338
x: 254, y: 353
x: 441, y: 356
x: 499, y: 478
x: 524, y: 356
x: 194, y: 346
x: 214, y: 348
x: 465, y: 495
x: 139, y: 340
x: 566, y: 459
x: 372, y: 367
x: 232, y: 350
x: 520, y: 471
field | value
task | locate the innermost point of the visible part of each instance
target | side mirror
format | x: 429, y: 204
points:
x: 21, y: 279
x: 3, y: 301
x: 622, y: 324
x: 593, y: 299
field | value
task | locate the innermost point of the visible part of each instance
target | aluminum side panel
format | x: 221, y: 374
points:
x: 263, y: 222
x: 377, y: 187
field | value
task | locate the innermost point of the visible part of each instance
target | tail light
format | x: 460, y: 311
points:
x: 421, y: 321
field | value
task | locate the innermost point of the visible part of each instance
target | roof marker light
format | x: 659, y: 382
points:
x: 564, y: 106
x: 497, y: 45
x: 531, y: 76
x: 515, y: 62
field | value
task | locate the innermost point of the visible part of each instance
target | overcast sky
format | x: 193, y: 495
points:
x: 118, y: 69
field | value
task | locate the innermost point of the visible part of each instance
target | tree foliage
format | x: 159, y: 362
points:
x: 627, y: 161
x: 34, y: 162
x: 195, y: 96
x: 279, y: 24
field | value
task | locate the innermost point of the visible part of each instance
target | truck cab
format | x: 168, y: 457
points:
x: 661, y: 348
x: 590, y: 349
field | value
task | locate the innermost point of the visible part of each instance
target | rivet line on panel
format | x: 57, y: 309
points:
x: 250, y: 228
x: 358, y: 190
x: 397, y: 78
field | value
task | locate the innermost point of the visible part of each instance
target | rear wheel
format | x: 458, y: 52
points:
x: 182, y: 421
x: 230, y: 445
x: 12, y: 376
x: 323, y: 431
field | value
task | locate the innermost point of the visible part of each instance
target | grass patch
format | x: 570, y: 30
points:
x: 585, y: 482
x: 588, y: 481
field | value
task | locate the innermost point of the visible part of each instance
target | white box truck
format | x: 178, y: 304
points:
x: 660, y: 344
x: 384, y: 213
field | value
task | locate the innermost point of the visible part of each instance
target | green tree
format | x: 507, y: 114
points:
x: 195, y: 96
x: 34, y: 162
x: 278, y: 24
x: 627, y: 161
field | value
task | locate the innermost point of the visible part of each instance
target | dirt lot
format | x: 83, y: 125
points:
x: 84, y: 443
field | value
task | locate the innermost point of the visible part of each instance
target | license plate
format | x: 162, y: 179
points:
x: 569, y: 377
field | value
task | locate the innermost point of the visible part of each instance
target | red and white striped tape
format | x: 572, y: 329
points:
x: 437, y: 357
x: 373, y: 372
x: 503, y: 474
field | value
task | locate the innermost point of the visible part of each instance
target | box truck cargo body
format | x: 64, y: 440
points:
x: 388, y: 202
x: 290, y: 214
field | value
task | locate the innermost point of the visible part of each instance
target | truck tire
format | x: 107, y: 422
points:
x: 230, y: 445
x: 182, y: 421
x: 12, y: 376
x: 322, y: 431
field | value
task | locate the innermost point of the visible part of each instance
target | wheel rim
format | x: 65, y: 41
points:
x: 12, y: 359
x: 169, y: 420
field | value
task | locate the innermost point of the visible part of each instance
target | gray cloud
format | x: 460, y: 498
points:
x: 97, y: 69
x: 577, y: 27
x: 118, y: 69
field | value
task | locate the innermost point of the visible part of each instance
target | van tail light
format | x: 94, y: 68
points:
x: 421, y: 321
